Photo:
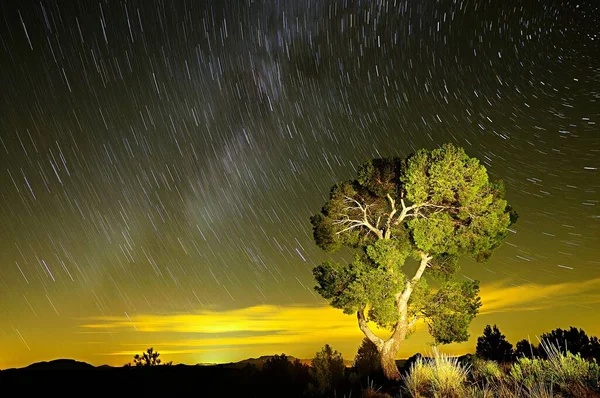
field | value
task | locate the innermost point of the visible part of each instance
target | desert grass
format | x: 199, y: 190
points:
x: 440, y: 376
x: 559, y: 375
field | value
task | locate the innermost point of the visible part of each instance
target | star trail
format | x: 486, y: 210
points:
x: 160, y: 161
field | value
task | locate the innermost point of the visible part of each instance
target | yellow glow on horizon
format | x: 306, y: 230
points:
x: 212, y: 335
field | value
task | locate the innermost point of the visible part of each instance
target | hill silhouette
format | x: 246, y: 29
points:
x: 60, y: 364
x: 72, y: 364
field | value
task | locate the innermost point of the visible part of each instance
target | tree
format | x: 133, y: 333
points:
x: 148, y: 358
x: 434, y: 206
x: 573, y: 340
x: 367, y: 360
x: 493, y: 346
x: 327, y: 370
x: 524, y: 349
x: 281, y: 377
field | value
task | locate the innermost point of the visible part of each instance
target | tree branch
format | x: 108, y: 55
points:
x: 388, y: 229
x: 404, y: 212
x: 402, y: 326
x: 402, y: 298
x: 364, y: 327
x: 364, y: 222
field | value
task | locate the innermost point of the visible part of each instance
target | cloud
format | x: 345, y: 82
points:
x: 291, y: 326
x: 258, y: 325
x: 499, y: 297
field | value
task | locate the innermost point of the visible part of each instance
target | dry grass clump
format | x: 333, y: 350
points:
x: 560, y: 375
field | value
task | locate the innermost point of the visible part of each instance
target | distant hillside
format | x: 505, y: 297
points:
x: 260, y: 361
x: 60, y: 364
x: 71, y: 364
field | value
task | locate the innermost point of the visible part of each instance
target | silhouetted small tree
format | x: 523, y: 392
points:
x: 148, y: 358
x: 525, y: 349
x: 595, y: 348
x: 494, y: 346
x: 573, y: 340
x: 282, y: 377
x: 327, y: 370
x: 367, y: 360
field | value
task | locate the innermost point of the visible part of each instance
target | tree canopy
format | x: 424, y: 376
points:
x: 434, y: 206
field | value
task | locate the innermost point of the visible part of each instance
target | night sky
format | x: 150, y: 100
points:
x: 160, y: 161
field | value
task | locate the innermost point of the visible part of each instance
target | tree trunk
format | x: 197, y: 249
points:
x: 387, y: 354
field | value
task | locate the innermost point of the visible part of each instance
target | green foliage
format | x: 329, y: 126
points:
x: 327, y: 370
x: 492, y: 345
x: 388, y: 255
x: 352, y: 287
x: 450, y: 311
x: 528, y: 371
x: 443, y: 267
x: 367, y: 360
x: 466, y: 213
x: 148, y: 358
x: 486, y: 371
x: 438, y: 203
x: 568, y: 369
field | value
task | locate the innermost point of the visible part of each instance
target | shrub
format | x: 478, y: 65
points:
x: 449, y: 375
x: 442, y: 376
x: 527, y: 372
x: 486, y: 371
x: 418, y: 379
x: 569, y: 370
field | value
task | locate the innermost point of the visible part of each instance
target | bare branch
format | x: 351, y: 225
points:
x: 363, y: 222
x: 388, y: 229
x: 405, y: 212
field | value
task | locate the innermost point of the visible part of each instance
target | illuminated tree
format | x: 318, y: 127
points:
x: 434, y: 206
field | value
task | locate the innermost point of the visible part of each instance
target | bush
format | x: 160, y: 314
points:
x: 527, y: 372
x: 569, y: 370
x: 486, y: 371
x: 418, y: 379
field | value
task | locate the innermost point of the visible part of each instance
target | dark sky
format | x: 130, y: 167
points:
x: 162, y: 159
